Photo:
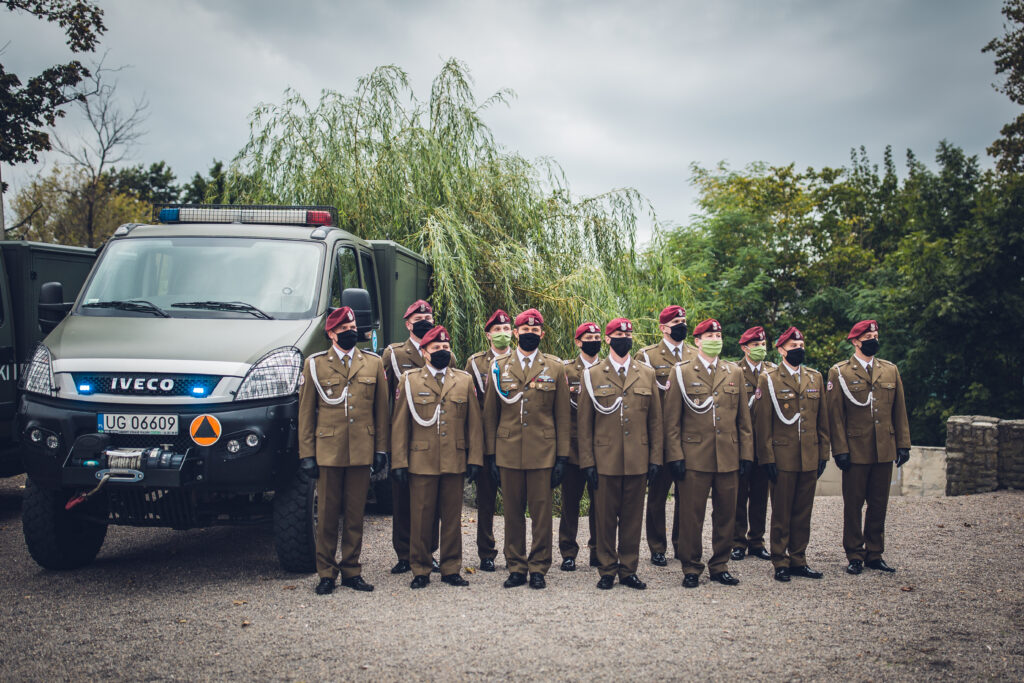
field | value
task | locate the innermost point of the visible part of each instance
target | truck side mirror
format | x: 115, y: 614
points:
x: 52, y: 308
x: 359, y: 301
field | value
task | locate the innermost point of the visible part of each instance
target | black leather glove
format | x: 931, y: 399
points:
x: 843, y: 461
x: 902, y: 456
x: 308, y: 467
x: 472, y: 472
x: 380, y: 462
x: 821, y: 468
x: 591, y: 474
x: 652, y: 473
x: 401, y: 475
x: 771, y: 471
x: 745, y: 466
x: 558, y: 472
x: 492, y: 467
x: 678, y: 469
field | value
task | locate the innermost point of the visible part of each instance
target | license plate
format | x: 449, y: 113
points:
x: 120, y: 423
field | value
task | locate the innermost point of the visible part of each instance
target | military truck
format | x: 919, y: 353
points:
x: 168, y: 395
x: 24, y: 267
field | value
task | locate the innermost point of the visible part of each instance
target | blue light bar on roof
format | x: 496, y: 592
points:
x: 169, y: 215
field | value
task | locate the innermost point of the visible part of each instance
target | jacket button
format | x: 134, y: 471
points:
x: 351, y: 420
x: 718, y: 431
x: 716, y: 393
x: 443, y: 433
x: 626, y: 433
x: 626, y: 419
x: 442, y: 412
x: 443, y: 422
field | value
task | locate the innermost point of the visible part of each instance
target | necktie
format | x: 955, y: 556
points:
x: 440, y: 378
x: 675, y: 352
x: 622, y: 374
x: 344, y: 364
x: 526, y: 364
x: 711, y: 369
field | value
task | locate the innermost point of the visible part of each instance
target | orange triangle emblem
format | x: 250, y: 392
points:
x: 205, y: 430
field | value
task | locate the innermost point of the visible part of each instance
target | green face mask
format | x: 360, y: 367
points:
x: 501, y: 340
x: 758, y: 353
x: 711, y: 347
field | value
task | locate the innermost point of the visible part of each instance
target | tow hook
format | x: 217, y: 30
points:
x: 82, y: 497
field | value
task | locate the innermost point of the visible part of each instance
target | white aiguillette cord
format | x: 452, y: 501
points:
x: 320, y: 390
x: 663, y: 387
x: 699, y: 409
x: 479, y: 378
x: 604, y: 410
x: 497, y: 389
x: 778, y: 411
x: 416, y: 416
x: 846, y: 390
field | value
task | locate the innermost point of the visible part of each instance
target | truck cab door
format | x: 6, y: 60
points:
x: 8, y: 363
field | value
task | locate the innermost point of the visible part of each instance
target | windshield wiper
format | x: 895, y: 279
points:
x: 239, y: 306
x: 134, y: 305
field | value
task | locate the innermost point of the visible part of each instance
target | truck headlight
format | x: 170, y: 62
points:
x: 39, y: 376
x: 276, y: 374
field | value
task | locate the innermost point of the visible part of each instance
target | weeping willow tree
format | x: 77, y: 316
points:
x: 499, y: 230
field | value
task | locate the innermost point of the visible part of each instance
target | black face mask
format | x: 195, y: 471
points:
x: 421, y: 327
x: 678, y: 332
x: 528, y: 342
x: 795, y: 357
x: 441, y: 358
x: 347, y: 339
x: 621, y: 345
x: 869, y: 347
x: 591, y: 347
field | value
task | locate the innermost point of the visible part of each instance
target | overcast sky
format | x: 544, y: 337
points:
x: 621, y: 94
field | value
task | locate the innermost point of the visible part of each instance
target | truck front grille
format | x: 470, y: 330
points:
x: 151, y: 507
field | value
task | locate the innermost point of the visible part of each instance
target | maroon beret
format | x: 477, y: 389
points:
x: 339, y: 316
x: 531, y: 316
x: 499, y: 317
x: 791, y: 333
x: 862, y: 327
x: 586, y: 328
x: 418, y: 306
x: 437, y: 333
x: 754, y: 334
x: 670, y: 312
x: 709, y: 325
x: 621, y: 324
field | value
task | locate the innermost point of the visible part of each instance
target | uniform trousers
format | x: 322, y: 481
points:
x: 620, y: 508
x: 792, y: 501
x: 522, y: 490
x: 864, y: 537
x: 432, y: 496
x: 340, y: 492
x: 568, y: 525
x: 693, y: 494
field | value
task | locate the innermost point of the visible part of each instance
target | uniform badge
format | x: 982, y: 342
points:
x: 829, y: 387
x: 302, y: 380
x: 757, y: 394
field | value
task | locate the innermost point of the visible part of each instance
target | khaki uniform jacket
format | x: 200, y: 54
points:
x: 337, y: 437
x: 574, y: 369
x: 659, y: 357
x: 750, y: 384
x: 405, y: 356
x: 878, y: 428
x: 798, y: 447
x: 718, y: 439
x: 453, y: 441
x: 479, y: 366
x: 530, y: 433
x: 629, y: 440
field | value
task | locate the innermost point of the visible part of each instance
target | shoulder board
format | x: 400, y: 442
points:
x: 319, y: 353
x: 370, y: 353
x: 477, y: 355
x: 552, y: 357
x: 460, y: 372
x: 882, y: 361
x: 568, y: 361
x: 650, y: 348
x: 395, y: 345
x: 770, y: 364
x: 685, y: 361
x: 842, y: 363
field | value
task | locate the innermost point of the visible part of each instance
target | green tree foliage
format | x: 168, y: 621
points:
x: 153, y: 185
x: 499, y: 230
x: 209, y: 189
x: 1009, y: 53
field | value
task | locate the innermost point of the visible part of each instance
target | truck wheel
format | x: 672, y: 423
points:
x: 57, y: 538
x: 295, y: 524
x: 382, y: 502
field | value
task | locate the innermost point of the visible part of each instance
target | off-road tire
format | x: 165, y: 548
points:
x: 295, y: 524
x: 59, y: 538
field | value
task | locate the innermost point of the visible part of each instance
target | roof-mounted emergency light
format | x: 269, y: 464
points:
x: 240, y: 213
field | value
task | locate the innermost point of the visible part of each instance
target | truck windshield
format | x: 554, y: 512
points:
x: 213, y: 277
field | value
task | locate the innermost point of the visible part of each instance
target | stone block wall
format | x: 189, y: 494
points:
x: 983, y: 454
x: 1011, y: 454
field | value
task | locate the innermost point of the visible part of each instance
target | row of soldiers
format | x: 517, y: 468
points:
x: 526, y: 422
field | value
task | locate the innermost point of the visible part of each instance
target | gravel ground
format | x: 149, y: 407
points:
x: 212, y: 605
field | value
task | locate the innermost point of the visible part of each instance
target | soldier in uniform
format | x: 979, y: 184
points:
x: 752, y: 496
x: 869, y: 429
x: 343, y: 431
x: 708, y: 446
x: 620, y: 451
x: 438, y: 438
x: 792, y: 444
x: 588, y: 341
x: 498, y: 330
x: 526, y: 427
x: 662, y: 357
x: 399, y: 358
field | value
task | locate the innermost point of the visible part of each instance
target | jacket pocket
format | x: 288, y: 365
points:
x: 692, y: 438
x: 370, y: 430
x: 600, y: 441
x: 324, y: 432
x: 460, y: 406
x: 418, y: 446
x: 503, y: 432
x: 549, y: 433
x: 460, y: 444
x: 368, y: 385
x: 780, y: 442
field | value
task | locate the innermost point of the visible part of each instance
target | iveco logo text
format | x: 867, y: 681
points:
x: 141, y: 384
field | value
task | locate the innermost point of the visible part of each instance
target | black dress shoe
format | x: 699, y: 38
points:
x: 759, y: 553
x: 725, y: 578
x: 806, y: 572
x: 855, y: 567
x: 633, y: 581
x: 434, y: 566
x: 515, y: 579
x: 487, y: 565
x: 568, y: 564
x: 454, y: 580
x: 782, y: 574
x: 658, y: 560
x: 606, y: 583
x: 401, y: 567
x: 737, y: 554
x: 594, y: 561
x: 325, y: 587
x: 880, y: 565
x: 691, y: 580
x: 420, y: 581
x: 537, y: 580
x: 357, y: 583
